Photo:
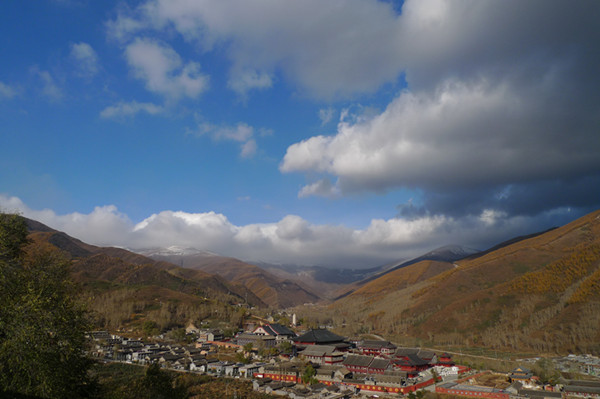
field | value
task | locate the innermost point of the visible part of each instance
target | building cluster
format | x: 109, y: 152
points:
x: 185, y: 358
x: 339, y: 368
x: 584, y: 364
x: 524, y: 385
x: 361, y: 365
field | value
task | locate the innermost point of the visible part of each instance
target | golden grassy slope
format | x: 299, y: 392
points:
x: 541, y: 293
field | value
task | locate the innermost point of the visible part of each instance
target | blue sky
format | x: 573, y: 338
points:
x: 337, y: 133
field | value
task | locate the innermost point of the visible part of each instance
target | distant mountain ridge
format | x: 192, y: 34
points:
x: 447, y: 254
x: 272, y: 290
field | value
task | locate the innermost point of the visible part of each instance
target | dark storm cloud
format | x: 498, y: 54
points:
x: 502, y: 112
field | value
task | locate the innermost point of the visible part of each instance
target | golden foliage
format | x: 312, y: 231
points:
x: 559, y: 275
x: 590, y: 288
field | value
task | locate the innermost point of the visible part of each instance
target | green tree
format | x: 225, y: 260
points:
x: 308, y: 376
x: 544, y: 368
x: 286, y: 347
x: 42, y: 327
x: 178, y: 335
x: 157, y: 384
x: 150, y: 328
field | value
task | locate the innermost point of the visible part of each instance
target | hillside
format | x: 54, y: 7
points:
x: 272, y: 290
x: 123, y: 288
x: 540, y: 293
x: 445, y: 255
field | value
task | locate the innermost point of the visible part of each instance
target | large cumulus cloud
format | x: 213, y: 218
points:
x: 501, y: 110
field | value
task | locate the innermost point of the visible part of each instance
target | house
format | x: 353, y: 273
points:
x: 322, y: 354
x: 322, y: 337
x: 520, y: 374
x: 412, y: 364
x: 276, y: 330
x: 445, y: 360
x: 210, y: 335
x: 248, y: 370
x: 367, y: 364
x: 198, y: 364
x: 100, y: 335
x: 379, y: 365
x: 257, y: 341
x: 231, y: 370
x: 587, y: 389
x: 376, y: 348
x: 452, y: 388
x: 216, y: 367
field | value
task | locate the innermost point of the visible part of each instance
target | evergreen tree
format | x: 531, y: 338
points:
x: 157, y: 384
x: 42, y: 327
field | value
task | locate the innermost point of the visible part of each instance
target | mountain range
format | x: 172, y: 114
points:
x: 539, y: 291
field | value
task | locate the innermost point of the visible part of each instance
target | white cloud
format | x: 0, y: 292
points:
x: 290, y: 240
x: 243, y: 82
x: 7, y: 91
x: 321, y: 188
x: 460, y: 135
x: 241, y: 133
x: 326, y: 115
x: 49, y: 87
x: 86, y: 57
x: 103, y: 226
x: 248, y: 149
x: 328, y: 49
x: 125, y: 109
x: 491, y: 216
x: 163, y: 70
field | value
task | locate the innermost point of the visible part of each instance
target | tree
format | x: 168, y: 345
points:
x: 546, y: 371
x: 42, y: 326
x: 308, y: 376
x: 157, y: 384
x: 150, y: 328
x: 286, y: 347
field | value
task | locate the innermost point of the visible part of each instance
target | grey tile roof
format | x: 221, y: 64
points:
x: 279, y: 329
x: 406, y: 351
x: 379, y: 363
x: 319, y: 336
x: 377, y: 344
x: 358, y: 361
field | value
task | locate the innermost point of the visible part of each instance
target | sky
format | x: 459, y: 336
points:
x: 341, y: 133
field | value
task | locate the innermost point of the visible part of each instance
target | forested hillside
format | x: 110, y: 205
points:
x: 539, y: 294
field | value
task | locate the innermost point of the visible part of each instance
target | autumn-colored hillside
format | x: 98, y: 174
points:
x: 127, y: 289
x: 274, y: 291
x: 540, y: 294
x: 403, y: 278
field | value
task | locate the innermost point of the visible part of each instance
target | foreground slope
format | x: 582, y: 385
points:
x: 541, y: 293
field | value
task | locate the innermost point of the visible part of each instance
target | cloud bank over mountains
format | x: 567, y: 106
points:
x: 291, y: 240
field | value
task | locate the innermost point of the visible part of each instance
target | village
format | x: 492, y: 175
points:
x: 318, y: 363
